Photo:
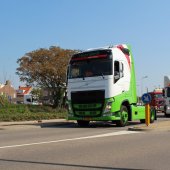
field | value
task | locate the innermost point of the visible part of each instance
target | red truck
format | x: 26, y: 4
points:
x: 157, y: 100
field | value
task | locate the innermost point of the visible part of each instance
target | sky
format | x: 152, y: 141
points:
x: 27, y: 25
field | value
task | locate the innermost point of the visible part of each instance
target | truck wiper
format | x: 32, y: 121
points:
x: 83, y: 77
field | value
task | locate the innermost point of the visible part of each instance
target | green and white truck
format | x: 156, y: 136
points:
x: 101, y: 86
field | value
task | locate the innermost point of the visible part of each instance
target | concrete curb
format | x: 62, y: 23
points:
x: 41, y: 123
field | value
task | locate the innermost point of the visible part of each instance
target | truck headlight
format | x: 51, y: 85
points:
x: 108, y: 107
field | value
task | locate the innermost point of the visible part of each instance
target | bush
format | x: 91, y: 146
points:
x: 21, y: 112
x: 4, y: 101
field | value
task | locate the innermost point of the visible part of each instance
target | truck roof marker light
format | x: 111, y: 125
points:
x: 90, y: 57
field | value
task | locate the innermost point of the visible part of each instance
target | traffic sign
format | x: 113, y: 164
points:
x: 146, y: 98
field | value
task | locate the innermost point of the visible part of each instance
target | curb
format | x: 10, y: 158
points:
x: 41, y: 123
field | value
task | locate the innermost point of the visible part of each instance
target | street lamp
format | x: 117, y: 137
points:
x: 144, y: 77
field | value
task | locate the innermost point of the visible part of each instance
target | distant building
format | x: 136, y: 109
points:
x: 47, y: 96
x: 8, y: 91
x: 21, y: 92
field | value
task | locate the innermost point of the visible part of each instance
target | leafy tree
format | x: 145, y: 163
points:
x: 45, y: 68
x: 37, y: 93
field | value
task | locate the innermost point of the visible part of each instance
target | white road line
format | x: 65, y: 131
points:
x: 72, y: 139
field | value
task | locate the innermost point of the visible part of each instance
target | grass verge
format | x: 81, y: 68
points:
x: 21, y: 112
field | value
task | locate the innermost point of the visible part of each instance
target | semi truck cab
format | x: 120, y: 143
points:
x: 101, y: 86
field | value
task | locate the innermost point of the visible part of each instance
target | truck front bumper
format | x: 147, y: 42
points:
x: 88, y: 118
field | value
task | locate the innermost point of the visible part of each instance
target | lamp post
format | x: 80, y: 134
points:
x: 144, y: 77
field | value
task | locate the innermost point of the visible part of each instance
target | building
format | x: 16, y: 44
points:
x: 47, y: 96
x: 21, y: 92
x: 8, y: 91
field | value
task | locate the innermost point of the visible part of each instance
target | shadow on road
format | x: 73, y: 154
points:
x: 65, y: 165
x: 93, y: 124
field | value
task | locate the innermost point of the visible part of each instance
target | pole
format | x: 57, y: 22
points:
x: 147, y: 114
x: 144, y: 77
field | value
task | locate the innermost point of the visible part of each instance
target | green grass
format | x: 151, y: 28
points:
x: 21, y: 112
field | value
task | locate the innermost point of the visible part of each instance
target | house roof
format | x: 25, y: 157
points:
x: 24, y: 90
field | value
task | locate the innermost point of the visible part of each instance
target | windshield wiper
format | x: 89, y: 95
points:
x: 83, y: 77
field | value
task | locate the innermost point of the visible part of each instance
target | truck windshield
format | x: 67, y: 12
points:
x: 158, y: 95
x: 90, y: 68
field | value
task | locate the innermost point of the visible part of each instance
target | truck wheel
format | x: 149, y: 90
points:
x: 153, y: 115
x: 166, y: 115
x: 142, y: 121
x: 83, y: 123
x: 123, y: 117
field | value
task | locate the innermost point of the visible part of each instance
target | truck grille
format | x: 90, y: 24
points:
x: 88, y: 103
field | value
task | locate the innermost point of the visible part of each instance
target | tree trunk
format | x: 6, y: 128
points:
x: 58, y: 97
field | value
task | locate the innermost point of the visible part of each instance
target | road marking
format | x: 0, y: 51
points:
x: 72, y: 139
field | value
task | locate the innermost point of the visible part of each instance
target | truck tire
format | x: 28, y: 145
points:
x: 83, y: 123
x: 123, y: 117
x: 153, y: 116
x: 166, y: 115
x: 142, y: 120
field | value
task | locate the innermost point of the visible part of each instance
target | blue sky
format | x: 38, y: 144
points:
x: 27, y: 25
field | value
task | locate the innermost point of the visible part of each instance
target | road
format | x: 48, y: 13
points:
x: 66, y: 146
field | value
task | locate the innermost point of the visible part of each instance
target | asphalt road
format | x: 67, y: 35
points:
x: 66, y: 146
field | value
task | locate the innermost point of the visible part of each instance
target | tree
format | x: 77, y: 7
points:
x: 46, y: 68
x: 37, y: 93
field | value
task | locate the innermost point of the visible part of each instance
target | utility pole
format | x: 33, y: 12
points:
x: 144, y: 77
